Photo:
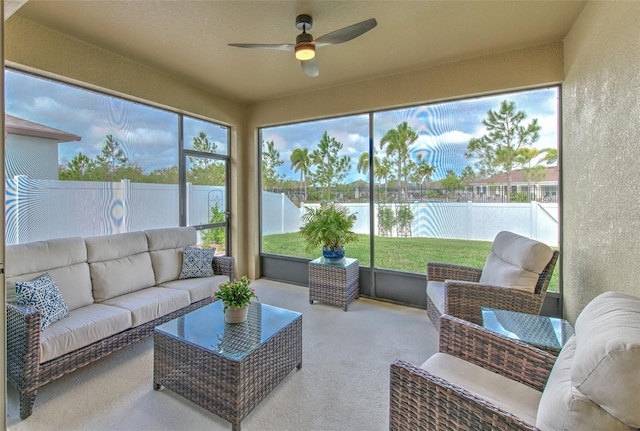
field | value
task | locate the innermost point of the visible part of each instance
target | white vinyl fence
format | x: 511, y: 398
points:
x: 472, y: 221
x: 43, y: 209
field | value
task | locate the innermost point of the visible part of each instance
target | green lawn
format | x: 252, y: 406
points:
x: 405, y: 254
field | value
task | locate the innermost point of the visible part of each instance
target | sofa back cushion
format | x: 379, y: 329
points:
x: 515, y: 261
x: 606, y: 368
x: 564, y: 408
x: 166, y: 248
x: 65, y: 259
x: 119, y: 264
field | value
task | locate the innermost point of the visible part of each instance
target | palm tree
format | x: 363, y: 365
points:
x: 382, y: 173
x: 398, y: 142
x: 300, y: 161
x: 424, y: 171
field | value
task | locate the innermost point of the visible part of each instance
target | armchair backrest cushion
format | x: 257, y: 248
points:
x: 564, y: 408
x: 515, y: 261
x: 65, y: 259
x: 119, y: 264
x: 606, y: 368
x: 166, y: 249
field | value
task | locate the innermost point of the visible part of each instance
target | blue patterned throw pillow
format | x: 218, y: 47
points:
x: 196, y: 262
x: 43, y: 294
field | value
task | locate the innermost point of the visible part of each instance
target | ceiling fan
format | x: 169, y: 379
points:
x: 305, y: 46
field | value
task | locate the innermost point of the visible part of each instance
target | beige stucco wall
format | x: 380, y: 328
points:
x: 601, y: 154
x: 524, y: 68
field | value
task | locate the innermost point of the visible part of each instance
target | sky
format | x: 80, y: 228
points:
x: 149, y: 135
x: 444, y: 130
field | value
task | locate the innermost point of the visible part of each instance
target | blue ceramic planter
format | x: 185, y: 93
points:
x: 333, y: 256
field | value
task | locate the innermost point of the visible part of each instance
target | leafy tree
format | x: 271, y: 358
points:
x: 77, y: 169
x: 204, y: 170
x: 202, y: 143
x: 496, y: 151
x: 111, y: 158
x: 386, y: 220
x: 451, y: 182
x: 533, y: 171
x: 467, y: 176
x: 331, y: 168
x: 163, y: 175
x: 404, y: 218
x: 301, y: 161
x: 215, y: 236
x: 398, y: 142
x: 270, y: 161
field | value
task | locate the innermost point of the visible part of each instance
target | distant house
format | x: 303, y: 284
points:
x: 544, y: 188
x: 32, y: 149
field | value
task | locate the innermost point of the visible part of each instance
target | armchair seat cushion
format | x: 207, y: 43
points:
x: 509, y: 395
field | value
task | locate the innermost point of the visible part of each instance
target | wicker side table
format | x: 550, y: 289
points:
x: 334, y: 284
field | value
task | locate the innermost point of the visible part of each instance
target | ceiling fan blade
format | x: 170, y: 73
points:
x: 310, y: 67
x: 280, y: 47
x: 346, y: 34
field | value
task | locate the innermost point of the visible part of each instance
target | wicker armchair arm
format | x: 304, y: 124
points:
x: 464, y: 299
x: 23, y: 344
x: 440, y: 271
x: 224, y: 265
x: 495, y: 352
x: 420, y: 400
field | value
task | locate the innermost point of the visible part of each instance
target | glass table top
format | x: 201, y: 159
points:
x: 538, y: 330
x: 206, y: 328
x: 347, y: 261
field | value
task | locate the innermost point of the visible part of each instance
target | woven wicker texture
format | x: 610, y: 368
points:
x: 334, y: 284
x: 420, y: 400
x: 229, y: 379
x: 23, y: 345
x: 464, y: 295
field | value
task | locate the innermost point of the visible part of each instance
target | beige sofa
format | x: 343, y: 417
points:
x: 116, y: 288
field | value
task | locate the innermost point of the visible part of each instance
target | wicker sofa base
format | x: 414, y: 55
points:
x: 27, y: 376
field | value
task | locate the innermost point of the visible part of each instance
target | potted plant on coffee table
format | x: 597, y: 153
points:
x: 330, y: 226
x: 236, y: 296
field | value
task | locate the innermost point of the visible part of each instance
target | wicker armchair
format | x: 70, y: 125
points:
x: 482, y: 380
x: 459, y: 290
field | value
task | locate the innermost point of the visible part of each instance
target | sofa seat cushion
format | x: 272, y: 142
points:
x: 563, y: 407
x: 511, y: 396
x: 198, y: 288
x: 80, y: 328
x: 435, y: 291
x: 148, y: 304
x: 606, y: 368
x: 165, y: 247
x: 515, y: 261
x: 65, y: 259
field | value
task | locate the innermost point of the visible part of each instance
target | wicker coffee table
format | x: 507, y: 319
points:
x: 337, y: 284
x: 227, y: 368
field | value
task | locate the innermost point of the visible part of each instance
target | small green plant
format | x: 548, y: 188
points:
x: 404, y: 219
x: 386, y: 221
x: 330, y: 225
x: 236, y: 294
x: 519, y: 197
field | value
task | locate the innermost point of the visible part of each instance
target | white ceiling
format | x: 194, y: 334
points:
x: 188, y: 39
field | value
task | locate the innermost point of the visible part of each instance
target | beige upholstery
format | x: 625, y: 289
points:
x: 435, y: 292
x: 593, y: 384
x: 165, y: 248
x: 513, y: 397
x: 198, y: 288
x: 148, y: 304
x: 82, y: 327
x: 64, y: 259
x: 515, y: 261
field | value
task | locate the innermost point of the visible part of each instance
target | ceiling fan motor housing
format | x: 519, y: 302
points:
x: 304, y: 22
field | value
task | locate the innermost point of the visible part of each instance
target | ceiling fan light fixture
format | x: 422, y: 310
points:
x: 305, y: 51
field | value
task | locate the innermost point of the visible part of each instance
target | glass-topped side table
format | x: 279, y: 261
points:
x: 546, y: 333
x: 336, y: 284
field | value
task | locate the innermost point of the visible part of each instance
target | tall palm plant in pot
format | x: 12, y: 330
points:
x: 330, y: 226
